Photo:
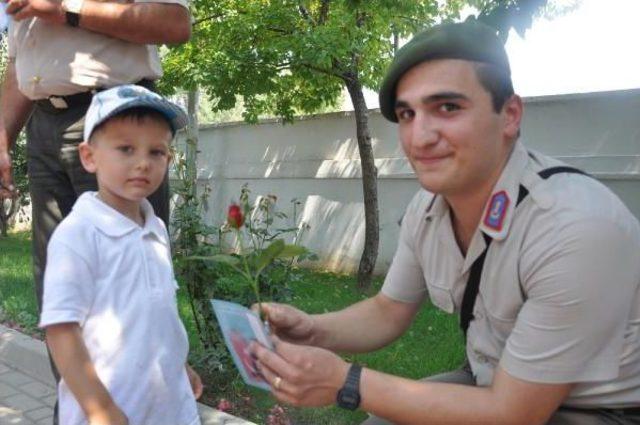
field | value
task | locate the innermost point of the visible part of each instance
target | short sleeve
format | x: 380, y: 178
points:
x: 68, y: 285
x: 183, y: 3
x: 579, y: 293
x: 405, y: 281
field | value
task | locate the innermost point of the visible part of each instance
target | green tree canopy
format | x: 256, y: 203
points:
x: 296, y: 56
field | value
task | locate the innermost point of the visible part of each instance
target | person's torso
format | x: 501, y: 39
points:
x: 501, y: 293
x: 61, y: 60
x: 133, y: 333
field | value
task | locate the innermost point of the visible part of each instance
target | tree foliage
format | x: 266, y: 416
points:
x: 289, y: 56
x: 284, y: 57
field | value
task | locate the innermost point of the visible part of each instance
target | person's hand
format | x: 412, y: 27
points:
x: 47, y: 10
x: 195, y: 381
x: 289, y: 323
x: 7, y: 190
x: 301, y: 375
x: 111, y: 416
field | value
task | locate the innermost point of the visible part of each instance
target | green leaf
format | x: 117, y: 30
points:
x: 218, y: 258
x: 269, y: 254
x: 291, y: 251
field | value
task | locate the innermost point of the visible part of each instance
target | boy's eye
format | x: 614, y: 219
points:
x: 125, y: 149
x: 158, y: 152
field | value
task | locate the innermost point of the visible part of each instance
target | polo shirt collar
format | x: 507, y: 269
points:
x: 499, y: 210
x: 115, y: 224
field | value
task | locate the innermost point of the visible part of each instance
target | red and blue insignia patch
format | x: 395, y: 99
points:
x: 497, y: 210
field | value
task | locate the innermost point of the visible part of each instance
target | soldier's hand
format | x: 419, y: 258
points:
x: 289, y: 323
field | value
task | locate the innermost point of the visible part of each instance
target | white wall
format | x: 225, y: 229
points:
x: 316, y: 161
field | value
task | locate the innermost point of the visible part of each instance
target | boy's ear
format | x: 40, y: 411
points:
x: 86, y: 157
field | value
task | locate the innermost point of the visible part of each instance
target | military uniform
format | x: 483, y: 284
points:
x: 559, y: 294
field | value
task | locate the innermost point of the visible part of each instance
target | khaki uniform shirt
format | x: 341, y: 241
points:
x: 559, y: 299
x: 60, y: 60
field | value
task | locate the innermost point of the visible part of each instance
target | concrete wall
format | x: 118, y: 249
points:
x: 316, y: 161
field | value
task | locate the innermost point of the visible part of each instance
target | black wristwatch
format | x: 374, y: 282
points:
x: 349, y: 395
x: 72, y: 10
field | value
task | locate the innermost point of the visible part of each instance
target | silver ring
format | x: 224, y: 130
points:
x: 277, y: 382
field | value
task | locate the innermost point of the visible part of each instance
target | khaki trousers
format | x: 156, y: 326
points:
x: 564, y: 416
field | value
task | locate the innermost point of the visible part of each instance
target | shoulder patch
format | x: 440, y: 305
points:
x: 497, y: 210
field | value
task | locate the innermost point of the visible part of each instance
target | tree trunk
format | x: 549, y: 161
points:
x: 7, y: 215
x: 369, y: 183
x: 192, y: 138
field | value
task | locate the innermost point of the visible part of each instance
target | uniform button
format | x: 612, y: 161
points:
x: 36, y: 79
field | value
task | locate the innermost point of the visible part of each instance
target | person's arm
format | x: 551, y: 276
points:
x: 15, y: 109
x: 362, y: 327
x: 142, y: 23
x: 74, y: 364
x: 195, y: 381
x: 312, y: 376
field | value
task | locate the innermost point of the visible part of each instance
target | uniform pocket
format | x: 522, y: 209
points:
x: 441, y: 297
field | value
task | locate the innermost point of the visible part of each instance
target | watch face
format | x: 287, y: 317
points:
x: 348, y: 399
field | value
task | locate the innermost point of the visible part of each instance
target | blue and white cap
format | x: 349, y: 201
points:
x: 107, y: 103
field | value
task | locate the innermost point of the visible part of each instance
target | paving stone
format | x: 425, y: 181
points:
x: 45, y: 421
x: 41, y: 413
x: 37, y: 389
x: 50, y: 400
x: 12, y: 417
x: 7, y: 390
x: 15, y: 379
x: 22, y: 402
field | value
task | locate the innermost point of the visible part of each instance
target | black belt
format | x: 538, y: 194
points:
x: 623, y: 411
x: 82, y: 99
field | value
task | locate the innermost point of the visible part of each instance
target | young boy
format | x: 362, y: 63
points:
x: 109, y: 304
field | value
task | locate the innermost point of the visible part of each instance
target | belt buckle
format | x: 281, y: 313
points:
x: 58, y: 102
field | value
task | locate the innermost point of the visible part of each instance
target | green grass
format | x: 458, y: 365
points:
x: 17, y: 291
x: 432, y: 344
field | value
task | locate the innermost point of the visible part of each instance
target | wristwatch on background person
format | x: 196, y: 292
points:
x: 72, y: 10
x: 349, y: 395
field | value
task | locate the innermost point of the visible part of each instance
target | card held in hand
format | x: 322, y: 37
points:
x: 239, y: 327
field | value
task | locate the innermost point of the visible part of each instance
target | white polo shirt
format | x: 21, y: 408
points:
x: 116, y: 280
x: 559, y: 298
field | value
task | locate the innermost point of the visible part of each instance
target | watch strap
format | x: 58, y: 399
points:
x: 353, y: 377
x: 72, y: 10
x: 348, y: 396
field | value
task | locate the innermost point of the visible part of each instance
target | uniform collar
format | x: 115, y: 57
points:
x: 499, y: 210
x: 114, y: 224
x: 438, y: 207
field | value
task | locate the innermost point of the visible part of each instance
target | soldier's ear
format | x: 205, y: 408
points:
x: 512, y: 111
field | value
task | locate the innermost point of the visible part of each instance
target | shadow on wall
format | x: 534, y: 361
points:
x: 337, y: 232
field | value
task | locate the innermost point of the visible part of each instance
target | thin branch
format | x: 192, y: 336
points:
x: 305, y: 14
x: 208, y: 18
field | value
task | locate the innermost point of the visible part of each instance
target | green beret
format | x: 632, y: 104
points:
x: 471, y: 40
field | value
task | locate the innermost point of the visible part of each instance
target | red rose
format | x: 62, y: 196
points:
x: 235, y: 218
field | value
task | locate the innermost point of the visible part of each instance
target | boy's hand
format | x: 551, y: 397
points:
x: 112, y: 416
x: 195, y: 381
